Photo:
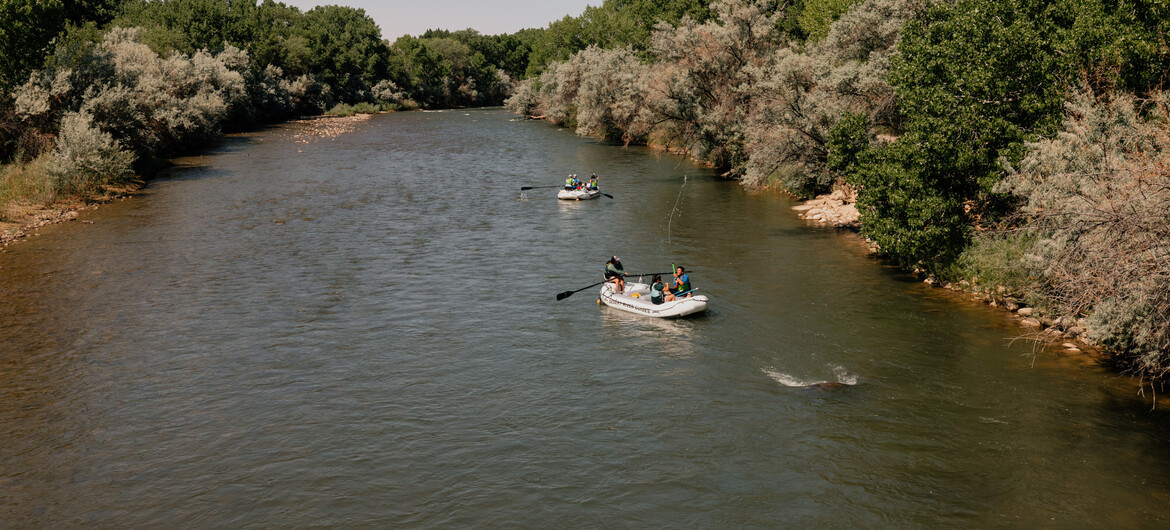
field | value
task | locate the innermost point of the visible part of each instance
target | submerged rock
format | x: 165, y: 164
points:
x: 825, y: 386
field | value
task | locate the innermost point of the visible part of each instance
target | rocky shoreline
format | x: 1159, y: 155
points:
x: 838, y: 208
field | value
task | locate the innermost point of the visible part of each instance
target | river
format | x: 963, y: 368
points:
x: 309, y: 326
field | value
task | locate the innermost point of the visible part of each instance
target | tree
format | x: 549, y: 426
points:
x: 974, y: 80
x: 346, y: 50
x: 817, y: 15
x: 27, y: 28
x: 701, y: 86
x: 803, y: 93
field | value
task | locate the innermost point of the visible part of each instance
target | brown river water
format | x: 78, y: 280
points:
x: 361, y: 330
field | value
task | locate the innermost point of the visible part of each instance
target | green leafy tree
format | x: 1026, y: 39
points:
x: 28, y: 27
x: 346, y: 50
x: 974, y: 79
x: 817, y: 15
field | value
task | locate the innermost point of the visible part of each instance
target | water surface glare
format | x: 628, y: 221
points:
x: 302, y: 329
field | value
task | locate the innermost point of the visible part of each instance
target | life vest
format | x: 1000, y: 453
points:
x: 685, y: 285
x: 656, y: 292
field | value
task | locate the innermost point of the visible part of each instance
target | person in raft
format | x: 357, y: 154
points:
x: 616, y: 273
x: 682, y: 283
x: 592, y: 183
x: 572, y: 183
x: 657, y: 296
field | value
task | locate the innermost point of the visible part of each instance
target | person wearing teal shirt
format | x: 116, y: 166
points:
x: 656, y: 290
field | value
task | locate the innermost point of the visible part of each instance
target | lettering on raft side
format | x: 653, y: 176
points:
x: 640, y: 309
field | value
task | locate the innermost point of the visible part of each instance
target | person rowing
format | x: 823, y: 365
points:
x: 614, y: 272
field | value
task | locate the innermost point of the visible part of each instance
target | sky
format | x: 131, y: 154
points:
x: 489, y: 17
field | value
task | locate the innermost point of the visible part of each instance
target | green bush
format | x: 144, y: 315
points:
x: 818, y: 15
x: 999, y: 259
x: 342, y: 109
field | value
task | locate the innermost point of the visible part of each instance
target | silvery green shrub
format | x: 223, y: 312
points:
x: 85, y: 157
x: 705, y: 76
x: 524, y: 99
x: 385, y: 91
x: 611, y: 95
x: 558, y: 92
x: 308, y: 95
x: 1097, y: 199
x: 802, y: 94
x: 269, y: 93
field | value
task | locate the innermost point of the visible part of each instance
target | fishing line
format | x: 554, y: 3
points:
x: 670, y: 218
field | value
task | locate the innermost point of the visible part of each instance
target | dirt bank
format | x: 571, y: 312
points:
x: 23, y: 219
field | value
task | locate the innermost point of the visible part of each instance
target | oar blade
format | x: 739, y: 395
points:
x: 564, y: 295
x: 525, y: 188
x: 607, y: 195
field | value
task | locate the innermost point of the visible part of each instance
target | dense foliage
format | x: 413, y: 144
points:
x: 28, y: 27
x: 612, y: 25
x: 1097, y: 201
x: 974, y: 80
x: 328, y: 59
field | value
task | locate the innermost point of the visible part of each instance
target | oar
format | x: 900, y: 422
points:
x: 566, y: 294
x: 525, y: 188
x: 606, y: 194
x: 646, y: 273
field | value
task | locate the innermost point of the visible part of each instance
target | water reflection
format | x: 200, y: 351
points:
x: 674, y: 337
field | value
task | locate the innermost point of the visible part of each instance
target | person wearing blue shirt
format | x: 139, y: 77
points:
x: 682, y: 282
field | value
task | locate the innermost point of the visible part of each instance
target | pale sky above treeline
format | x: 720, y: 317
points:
x: 414, y: 17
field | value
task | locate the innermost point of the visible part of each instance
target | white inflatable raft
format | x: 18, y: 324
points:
x: 636, y: 299
x: 578, y: 195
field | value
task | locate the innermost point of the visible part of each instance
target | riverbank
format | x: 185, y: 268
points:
x: 1062, y: 334
x: 22, y: 218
